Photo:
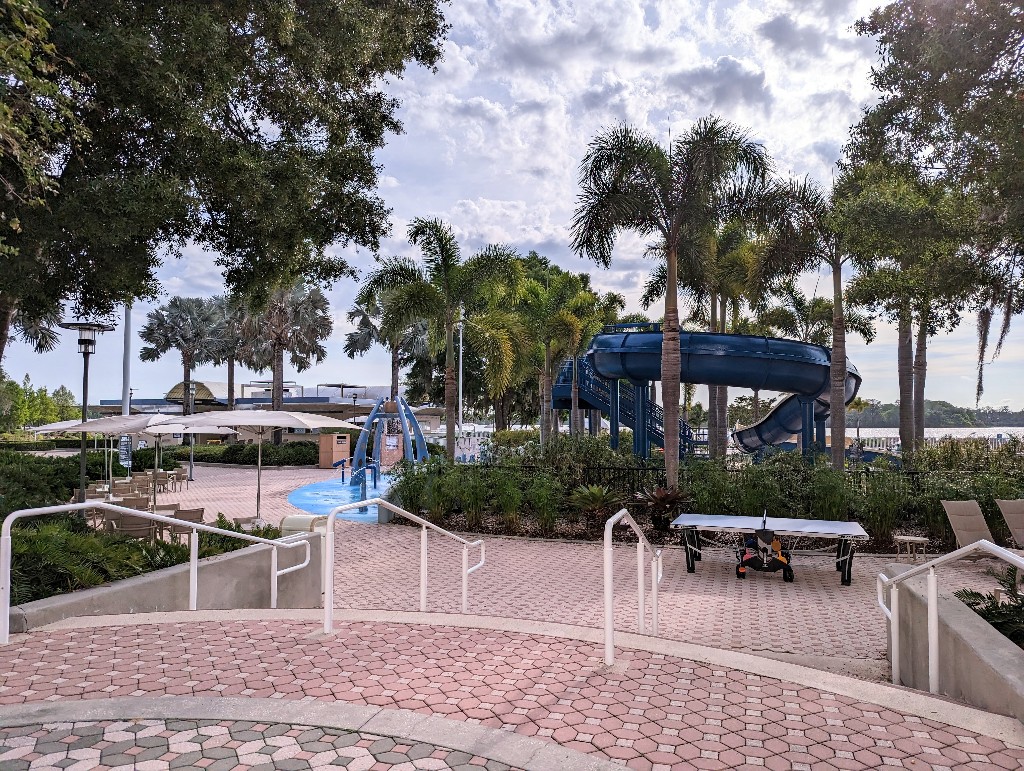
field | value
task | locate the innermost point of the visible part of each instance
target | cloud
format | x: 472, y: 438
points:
x: 792, y: 40
x: 726, y: 83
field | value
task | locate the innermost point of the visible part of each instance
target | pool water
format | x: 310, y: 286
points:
x: 321, y: 497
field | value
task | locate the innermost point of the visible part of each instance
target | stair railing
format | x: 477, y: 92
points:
x: 609, y: 582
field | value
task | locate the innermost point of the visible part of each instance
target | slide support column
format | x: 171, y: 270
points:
x: 806, y: 426
x: 819, y: 433
x: 640, y: 427
x: 613, y: 413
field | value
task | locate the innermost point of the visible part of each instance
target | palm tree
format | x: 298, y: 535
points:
x: 596, y: 311
x: 438, y: 291
x: 186, y: 325
x: 804, y: 236
x: 296, y: 320
x: 550, y: 312
x: 230, y: 346
x: 368, y: 315
x: 857, y: 406
x: 630, y: 183
x: 808, y: 319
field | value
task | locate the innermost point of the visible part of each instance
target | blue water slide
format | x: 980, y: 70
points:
x: 741, y: 361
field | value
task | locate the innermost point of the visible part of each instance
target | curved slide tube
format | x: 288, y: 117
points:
x: 740, y: 361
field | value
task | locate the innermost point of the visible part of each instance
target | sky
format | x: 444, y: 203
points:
x: 493, y: 140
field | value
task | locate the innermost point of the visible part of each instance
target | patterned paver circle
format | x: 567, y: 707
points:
x: 654, y: 712
x: 154, y: 745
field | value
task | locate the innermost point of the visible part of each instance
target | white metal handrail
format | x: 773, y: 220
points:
x: 288, y: 542
x: 424, y: 527
x: 609, y: 583
x: 892, y: 612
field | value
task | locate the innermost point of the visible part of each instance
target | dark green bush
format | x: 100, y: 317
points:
x: 1005, y: 615
x: 544, y: 497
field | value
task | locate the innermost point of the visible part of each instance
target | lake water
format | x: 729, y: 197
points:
x: 937, y: 433
x: 321, y: 497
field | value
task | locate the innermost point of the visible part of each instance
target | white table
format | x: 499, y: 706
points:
x: 846, y: 533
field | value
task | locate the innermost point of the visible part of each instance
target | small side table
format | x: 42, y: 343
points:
x: 916, y: 546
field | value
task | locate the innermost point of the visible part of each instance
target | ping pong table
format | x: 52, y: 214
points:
x: 846, y: 533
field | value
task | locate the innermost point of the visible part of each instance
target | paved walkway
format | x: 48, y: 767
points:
x: 652, y: 711
x: 815, y: 618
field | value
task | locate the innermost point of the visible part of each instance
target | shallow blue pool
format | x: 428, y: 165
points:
x: 321, y: 497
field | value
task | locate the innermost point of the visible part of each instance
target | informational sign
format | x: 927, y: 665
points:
x: 124, y: 451
x: 391, y: 442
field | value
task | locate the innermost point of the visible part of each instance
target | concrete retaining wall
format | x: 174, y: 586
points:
x: 238, y: 579
x: 977, y: 664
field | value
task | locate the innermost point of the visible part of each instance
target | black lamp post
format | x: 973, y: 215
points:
x: 191, y: 437
x: 87, y: 331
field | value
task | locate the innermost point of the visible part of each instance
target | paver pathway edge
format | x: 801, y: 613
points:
x: 1003, y: 728
x: 514, y: 749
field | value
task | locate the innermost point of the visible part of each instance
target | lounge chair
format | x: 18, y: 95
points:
x: 968, y: 522
x: 1013, y: 513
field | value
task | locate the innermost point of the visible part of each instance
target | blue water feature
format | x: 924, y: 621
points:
x: 321, y: 497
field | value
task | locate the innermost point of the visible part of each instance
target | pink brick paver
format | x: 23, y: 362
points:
x: 659, y: 712
x: 377, y: 568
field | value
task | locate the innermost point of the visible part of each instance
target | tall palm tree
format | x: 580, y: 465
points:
x: 595, y: 312
x: 439, y: 290
x: 677, y: 195
x: 368, y: 315
x: 230, y: 347
x: 550, y: 310
x: 186, y: 325
x: 296, y: 320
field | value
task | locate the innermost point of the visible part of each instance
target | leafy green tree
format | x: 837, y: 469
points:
x: 248, y: 128
x: 746, y: 410
x: 438, y: 290
x: 66, y: 404
x: 629, y: 183
x: 187, y: 326
x: 296, y: 321
x: 950, y: 81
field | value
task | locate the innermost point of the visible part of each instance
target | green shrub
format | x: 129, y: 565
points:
x: 595, y: 502
x: 408, y: 489
x: 708, y: 486
x: 508, y: 499
x: 829, y: 496
x: 544, y: 495
x: 29, y: 481
x: 1005, y: 615
x: 212, y: 544
x: 474, y: 496
x: 441, y: 492
x: 888, y: 501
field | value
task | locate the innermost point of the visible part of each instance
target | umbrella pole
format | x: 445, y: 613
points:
x: 259, y: 470
x: 156, y: 462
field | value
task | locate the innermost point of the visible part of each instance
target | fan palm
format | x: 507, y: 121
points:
x: 186, y: 325
x: 630, y: 183
x: 229, y: 345
x: 296, y: 320
x: 438, y: 290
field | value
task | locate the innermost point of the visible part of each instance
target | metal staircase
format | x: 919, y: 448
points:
x: 594, y: 394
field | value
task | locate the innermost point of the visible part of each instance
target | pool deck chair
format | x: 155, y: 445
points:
x: 968, y: 523
x: 1013, y: 513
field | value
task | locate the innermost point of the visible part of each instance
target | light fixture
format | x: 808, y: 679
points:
x: 87, y: 332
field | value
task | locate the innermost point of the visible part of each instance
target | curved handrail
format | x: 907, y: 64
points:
x: 609, y: 582
x: 892, y: 610
x: 288, y: 542
x: 425, y: 526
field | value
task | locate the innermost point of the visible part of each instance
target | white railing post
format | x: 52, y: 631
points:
x: 609, y: 596
x: 465, y: 578
x: 5, y: 589
x: 641, y: 610
x: 655, y: 580
x: 193, y: 570
x: 423, y: 569
x: 933, y: 632
x: 894, y: 631
x: 273, y: 577
x: 329, y: 577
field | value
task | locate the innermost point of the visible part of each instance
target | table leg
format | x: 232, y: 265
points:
x: 688, y: 533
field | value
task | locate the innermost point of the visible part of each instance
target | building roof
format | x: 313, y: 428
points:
x: 207, y: 392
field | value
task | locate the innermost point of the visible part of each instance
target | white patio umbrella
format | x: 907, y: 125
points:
x: 260, y: 422
x: 115, y: 425
x: 60, y: 426
x: 161, y: 430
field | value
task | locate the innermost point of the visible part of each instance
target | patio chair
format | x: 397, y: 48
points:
x: 180, y: 477
x: 140, y: 502
x: 185, y: 515
x: 968, y: 522
x: 136, y: 527
x: 1013, y: 513
x: 163, y: 481
x: 167, y: 510
x: 122, y: 489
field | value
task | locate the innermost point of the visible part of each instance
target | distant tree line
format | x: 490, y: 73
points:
x: 21, y: 404
x: 939, y: 414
